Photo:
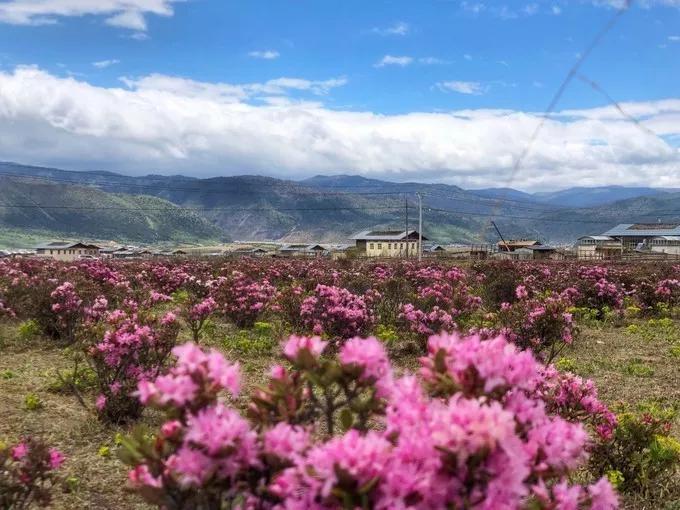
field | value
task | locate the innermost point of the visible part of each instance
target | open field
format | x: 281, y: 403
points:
x: 631, y: 353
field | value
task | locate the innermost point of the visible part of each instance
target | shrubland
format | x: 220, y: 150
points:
x: 258, y: 383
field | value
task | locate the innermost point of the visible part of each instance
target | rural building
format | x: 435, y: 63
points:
x: 434, y: 249
x: 665, y: 244
x: 303, y: 250
x: 387, y: 243
x: 639, y: 235
x: 246, y: 251
x: 516, y: 244
x: 598, y: 247
x: 65, y: 250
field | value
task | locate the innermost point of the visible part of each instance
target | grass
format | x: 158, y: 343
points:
x: 629, y: 368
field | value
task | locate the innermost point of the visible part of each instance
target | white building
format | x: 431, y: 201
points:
x: 387, y: 243
x: 665, y: 244
x: 598, y: 247
x: 65, y: 250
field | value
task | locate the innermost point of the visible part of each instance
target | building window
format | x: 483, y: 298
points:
x: 380, y: 246
x: 371, y: 246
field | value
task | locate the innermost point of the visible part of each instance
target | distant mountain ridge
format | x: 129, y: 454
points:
x: 321, y: 208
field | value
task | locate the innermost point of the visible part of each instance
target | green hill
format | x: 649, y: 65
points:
x: 75, y: 211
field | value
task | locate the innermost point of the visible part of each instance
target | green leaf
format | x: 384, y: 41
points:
x: 346, y: 419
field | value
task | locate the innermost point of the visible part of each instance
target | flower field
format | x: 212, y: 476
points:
x: 288, y: 384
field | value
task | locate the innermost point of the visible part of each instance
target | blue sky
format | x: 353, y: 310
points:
x: 395, y: 64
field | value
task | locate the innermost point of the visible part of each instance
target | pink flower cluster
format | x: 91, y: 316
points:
x: 336, y: 312
x: 241, y: 299
x: 427, y: 323
x: 131, y: 350
x: 475, y: 433
x: 28, y: 472
x: 194, y: 371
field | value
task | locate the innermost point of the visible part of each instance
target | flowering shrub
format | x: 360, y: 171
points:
x: 472, y: 432
x: 66, y: 305
x: 133, y: 348
x: 28, y: 473
x: 597, y: 291
x: 196, y: 316
x: 427, y: 323
x: 541, y: 324
x: 642, y: 456
x: 241, y: 299
x: 6, y: 311
x: 336, y: 312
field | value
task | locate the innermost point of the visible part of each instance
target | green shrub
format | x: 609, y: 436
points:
x: 638, y: 368
x: 79, y: 379
x: 248, y: 343
x: 387, y: 334
x: 566, y: 365
x: 7, y: 374
x: 32, y: 402
x: 642, y: 456
x: 29, y: 330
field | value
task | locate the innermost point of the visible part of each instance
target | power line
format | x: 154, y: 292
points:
x: 179, y: 208
x: 563, y: 86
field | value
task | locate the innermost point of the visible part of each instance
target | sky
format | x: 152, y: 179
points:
x: 425, y: 90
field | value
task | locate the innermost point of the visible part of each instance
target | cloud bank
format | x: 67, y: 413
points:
x: 171, y: 125
x: 129, y: 14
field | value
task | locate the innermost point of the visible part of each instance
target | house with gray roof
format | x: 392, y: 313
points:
x: 639, y: 235
x: 67, y: 250
x: 387, y: 243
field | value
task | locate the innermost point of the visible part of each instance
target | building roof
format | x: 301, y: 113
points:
x: 644, y: 230
x: 519, y: 242
x: 667, y: 238
x: 302, y: 247
x: 385, y: 235
x: 66, y: 245
x: 540, y: 248
x: 597, y: 238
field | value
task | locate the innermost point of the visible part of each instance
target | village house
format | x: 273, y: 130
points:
x: 65, y: 250
x: 638, y: 236
x: 246, y: 251
x: 516, y: 244
x: 665, y: 244
x: 387, y: 243
x: 598, y: 247
x: 303, y: 250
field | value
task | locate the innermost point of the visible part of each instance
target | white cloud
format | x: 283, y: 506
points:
x: 647, y: 4
x: 502, y: 11
x: 431, y: 61
x: 398, y: 28
x: 103, y: 64
x: 265, y: 54
x: 232, y: 93
x: 129, y: 14
x: 390, y: 60
x: 674, y: 38
x: 462, y: 87
x: 556, y: 10
x: 467, y: 56
x: 170, y: 125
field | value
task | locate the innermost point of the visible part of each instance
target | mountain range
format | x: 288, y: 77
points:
x: 39, y: 202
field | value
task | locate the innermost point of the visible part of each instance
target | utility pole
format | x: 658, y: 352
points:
x: 420, y: 227
x: 406, y: 204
